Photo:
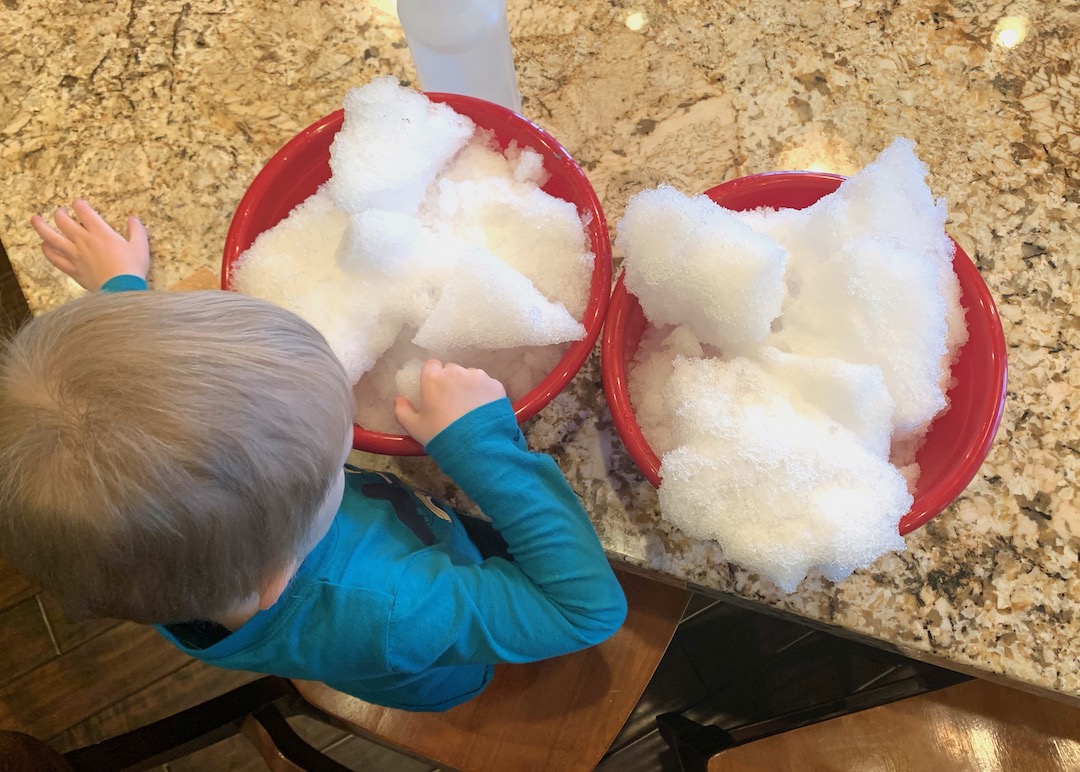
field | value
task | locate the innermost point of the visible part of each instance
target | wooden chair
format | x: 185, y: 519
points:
x: 975, y: 725
x: 560, y: 713
x: 557, y: 714
x: 255, y: 710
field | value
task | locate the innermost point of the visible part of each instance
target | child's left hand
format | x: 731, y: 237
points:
x: 89, y: 250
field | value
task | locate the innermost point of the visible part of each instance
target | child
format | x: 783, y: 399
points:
x: 177, y: 459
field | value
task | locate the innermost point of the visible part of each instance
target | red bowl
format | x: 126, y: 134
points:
x: 958, y: 440
x: 303, y: 164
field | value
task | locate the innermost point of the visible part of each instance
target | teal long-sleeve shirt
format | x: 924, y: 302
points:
x: 396, y: 605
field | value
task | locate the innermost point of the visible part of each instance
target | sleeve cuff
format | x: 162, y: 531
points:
x: 125, y: 282
x: 480, y: 424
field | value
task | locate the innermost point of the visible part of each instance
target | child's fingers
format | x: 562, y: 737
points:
x: 49, y: 236
x: 90, y: 219
x: 405, y: 413
x: 137, y: 233
x: 67, y: 225
x: 430, y: 366
x: 57, y: 258
x: 429, y: 376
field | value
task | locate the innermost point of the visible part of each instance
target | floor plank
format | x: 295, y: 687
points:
x: 233, y: 754
x: 24, y: 639
x: 191, y: 685
x: 13, y: 588
x: 359, y: 754
x: 316, y: 733
x: 88, y: 679
x: 70, y: 634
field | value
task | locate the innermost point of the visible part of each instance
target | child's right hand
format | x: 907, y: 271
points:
x: 89, y: 250
x: 447, y: 392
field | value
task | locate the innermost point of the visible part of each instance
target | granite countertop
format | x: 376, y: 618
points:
x: 167, y: 109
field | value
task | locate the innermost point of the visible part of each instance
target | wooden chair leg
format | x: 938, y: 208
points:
x: 254, y: 709
x: 694, y: 744
x: 281, y: 747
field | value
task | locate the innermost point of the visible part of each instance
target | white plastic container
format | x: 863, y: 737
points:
x: 462, y: 47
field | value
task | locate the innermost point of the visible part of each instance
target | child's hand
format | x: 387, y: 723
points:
x: 447, y: 392
x: 88, y: 250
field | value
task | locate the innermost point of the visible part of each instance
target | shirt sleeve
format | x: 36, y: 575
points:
x: 558, y: 594
x: 125, y: 282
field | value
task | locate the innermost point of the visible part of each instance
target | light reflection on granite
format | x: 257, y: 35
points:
x: 168, y: 108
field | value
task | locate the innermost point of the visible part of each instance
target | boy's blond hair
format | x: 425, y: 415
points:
x: 163, y: 454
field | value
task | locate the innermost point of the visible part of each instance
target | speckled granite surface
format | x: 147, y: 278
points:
x: 167, y: 108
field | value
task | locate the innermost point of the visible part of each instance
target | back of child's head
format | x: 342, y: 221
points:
x: 163, y: 454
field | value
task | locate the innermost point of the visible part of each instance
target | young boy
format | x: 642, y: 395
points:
x: 177, y: 459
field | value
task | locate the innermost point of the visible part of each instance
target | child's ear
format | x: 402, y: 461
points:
x: 274, y: 586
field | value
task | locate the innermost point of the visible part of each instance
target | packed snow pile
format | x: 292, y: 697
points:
x: 794, y: 362
x: 427, y: 240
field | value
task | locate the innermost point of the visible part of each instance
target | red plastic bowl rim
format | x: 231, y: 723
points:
x: 926, y: 506
x: 588, y: 204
